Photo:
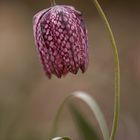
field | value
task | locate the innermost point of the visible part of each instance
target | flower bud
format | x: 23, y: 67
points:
x: 61, y: 39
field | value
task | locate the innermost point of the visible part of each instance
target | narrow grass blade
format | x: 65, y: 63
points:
x: 87, y: 132
x: 96, y: 110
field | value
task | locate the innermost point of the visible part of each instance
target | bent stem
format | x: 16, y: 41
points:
x: 56, y: 120
x: 116, y: 69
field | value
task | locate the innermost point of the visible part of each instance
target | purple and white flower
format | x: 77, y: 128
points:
x: 61, y: 39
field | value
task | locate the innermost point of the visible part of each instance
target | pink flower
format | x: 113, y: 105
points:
x: 61, y: 39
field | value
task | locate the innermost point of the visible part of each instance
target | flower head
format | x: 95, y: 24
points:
x: 61, y: 39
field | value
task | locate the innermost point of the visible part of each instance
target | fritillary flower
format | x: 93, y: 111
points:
x: 61, y: 39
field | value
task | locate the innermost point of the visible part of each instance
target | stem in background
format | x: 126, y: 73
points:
x: 56, y: 120
x: 53, y: 2
x: 116, y: 69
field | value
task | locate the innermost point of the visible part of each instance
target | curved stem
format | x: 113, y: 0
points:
x: 116, y: 69
x: 56, y: 120
x: 53, y: 2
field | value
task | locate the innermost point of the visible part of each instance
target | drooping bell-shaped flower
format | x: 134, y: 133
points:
x: 61, y: 39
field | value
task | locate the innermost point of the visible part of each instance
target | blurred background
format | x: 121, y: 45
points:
x: 29, y: 100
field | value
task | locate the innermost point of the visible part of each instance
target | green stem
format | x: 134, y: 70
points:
x: 116, y: 69
x: 53, y: 2
x: 56, y: 120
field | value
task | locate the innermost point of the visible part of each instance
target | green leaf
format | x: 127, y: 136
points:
x: 90, y: 101
x: 87, y: 132
x: 86, y: 98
